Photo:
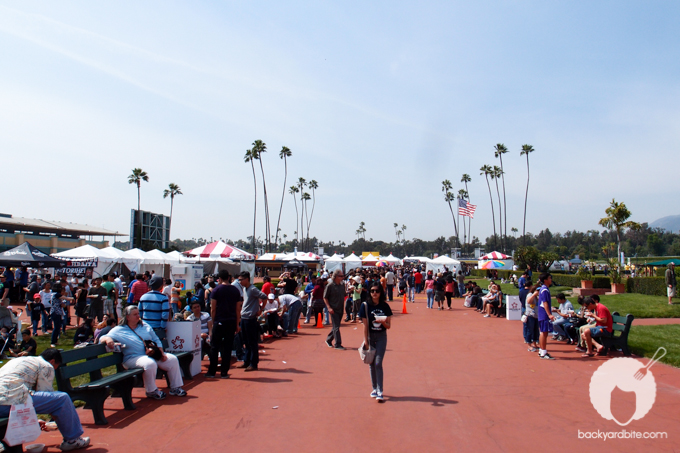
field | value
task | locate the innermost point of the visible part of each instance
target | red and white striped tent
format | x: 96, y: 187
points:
x: 220, y: 249
x: 495, y: 256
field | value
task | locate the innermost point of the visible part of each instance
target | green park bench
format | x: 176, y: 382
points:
x: 92, y: 360
x: 621, y: 324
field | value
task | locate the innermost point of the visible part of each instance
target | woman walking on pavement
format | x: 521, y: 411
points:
x: 377, y: 316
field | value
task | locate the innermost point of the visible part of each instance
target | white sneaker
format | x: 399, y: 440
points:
x: 75, y: 444
x: 379, y: 397
x: 374, y: 394
x: 178, y: 391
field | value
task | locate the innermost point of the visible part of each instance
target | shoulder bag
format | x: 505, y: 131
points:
x: 152, y: 350
x: 366, y: 351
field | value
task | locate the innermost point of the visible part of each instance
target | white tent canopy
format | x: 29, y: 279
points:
x: 334, y: 262
x: 442, y: 263
x: 370, y: 258
x: 422, y: 259
x: 352, y: 262
x: 105, y: 260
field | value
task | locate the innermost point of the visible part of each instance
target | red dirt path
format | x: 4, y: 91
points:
x: 453, y: 381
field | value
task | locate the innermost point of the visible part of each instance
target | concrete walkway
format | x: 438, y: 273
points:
x: 454, y: 381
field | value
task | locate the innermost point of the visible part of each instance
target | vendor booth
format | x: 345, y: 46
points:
x: 352, y: 262
x: 443, y: 264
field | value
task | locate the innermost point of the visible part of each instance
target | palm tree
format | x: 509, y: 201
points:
x: 250, y: 157
x: 486, y: 170
x: 462, y: 194
x: 362, y: 230
x: 617, y: 219
x: 302, y: 183
x: 396, y: 231
x: 465, y: 180
x: 305, y: 197
x: 312, y: 185
x: 293, y: 190
x: 514, y: 231
x: 138, y: 175
x: 497, y: 172
x: 259, y: 148
x: 403, y: 230
x: 526, y: 149
x: 172, y: 190
x: 284, y: 154
x: 449, y: 197
x: 500, y: 149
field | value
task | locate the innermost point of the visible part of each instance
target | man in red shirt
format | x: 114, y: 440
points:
x: 267, y: 286
x: 419, y: 281
x: 603, y: 325
x: 139, y: 288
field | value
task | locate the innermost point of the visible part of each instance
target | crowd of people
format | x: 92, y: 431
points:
x: 236, y: 317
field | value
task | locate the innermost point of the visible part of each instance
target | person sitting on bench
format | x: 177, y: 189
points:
x: 491, y: 300
x: 132, y: 333
x: 22, y: 375
x: 603, y: 325
x: 206, y: 326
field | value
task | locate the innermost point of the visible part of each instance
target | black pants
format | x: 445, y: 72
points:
x: 449, y: 295
x: 251, y: 334
x: 336, y: 317
x: 390, y: 292
x: 221, y: 343
x: 272, y: 322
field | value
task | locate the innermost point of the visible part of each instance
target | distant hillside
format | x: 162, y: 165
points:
x: 670, y: 223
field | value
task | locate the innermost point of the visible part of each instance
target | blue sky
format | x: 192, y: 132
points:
x: 378, y: 102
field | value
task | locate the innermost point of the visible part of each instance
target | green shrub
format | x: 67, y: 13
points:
x: 502, y: 273
x: 654, y: 286
x: 574, y: 281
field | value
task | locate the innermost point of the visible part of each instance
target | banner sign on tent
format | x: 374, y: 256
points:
x: 79, y: 267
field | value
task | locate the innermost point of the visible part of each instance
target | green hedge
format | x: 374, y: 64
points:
x: 502, y: 273
x: 653, y: 286
x: 575, y: 282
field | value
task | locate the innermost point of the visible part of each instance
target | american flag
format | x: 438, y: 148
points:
x: 466, y: 209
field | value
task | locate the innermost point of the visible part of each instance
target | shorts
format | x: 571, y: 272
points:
x: 599, y: 331
x: 108, y: 307
x: 439, y: 296
x: 671, y: 291
x: 545, y: 325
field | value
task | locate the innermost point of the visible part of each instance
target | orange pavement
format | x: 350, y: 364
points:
x: 454, y: 381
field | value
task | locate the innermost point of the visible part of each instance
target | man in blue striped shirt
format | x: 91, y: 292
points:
x: 154, y: 307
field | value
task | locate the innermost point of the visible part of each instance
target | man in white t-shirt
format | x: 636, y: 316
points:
x: 292, y: 306
x: 390, y: 278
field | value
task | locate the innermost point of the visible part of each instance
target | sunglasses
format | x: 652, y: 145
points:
x: 375, y: 291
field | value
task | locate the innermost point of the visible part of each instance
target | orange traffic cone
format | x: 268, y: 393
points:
x: 403, y: 309
x: 298, y: 323
x: 319, y: 323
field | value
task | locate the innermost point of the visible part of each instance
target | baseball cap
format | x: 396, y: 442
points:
x: 156, y: 282
x: 271, y: 297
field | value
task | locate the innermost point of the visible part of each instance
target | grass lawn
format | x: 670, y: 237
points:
x: 639, y: 305
x: 645, y: 340
x: 510, y: 290
x: 65, y: 344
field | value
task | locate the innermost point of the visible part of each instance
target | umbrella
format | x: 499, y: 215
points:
x: 492, y: 264
x: 381, y: 264
x: 27, y: 255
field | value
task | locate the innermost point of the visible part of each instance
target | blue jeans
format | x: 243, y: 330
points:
x: 461, y: 288
x: 59, y: 405
x: 559, y: 326
x: 390, y: 292
x: 412, y: 293
x: 531, y: 330
x: 430, y: 298
x: 379, y: 341
x: 56, y: 320
x: 46, y: 322
x: 293, y: 316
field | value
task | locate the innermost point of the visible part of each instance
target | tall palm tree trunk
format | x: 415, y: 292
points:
x: 172, y: 202
x: 311, y: 216
x: 500, y: 214
x: 493, y: 217
x: 255, y: 204
x: 526, y: 196
x: 469, y: 218
x: 307, y: 220
x: 505, y: 206
x: 297, y: 233
x: 283, y: 194
x: 267, y: 228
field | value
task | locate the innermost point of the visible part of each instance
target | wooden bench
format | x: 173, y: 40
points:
x: 95, y: 392
x: 620, y: 324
